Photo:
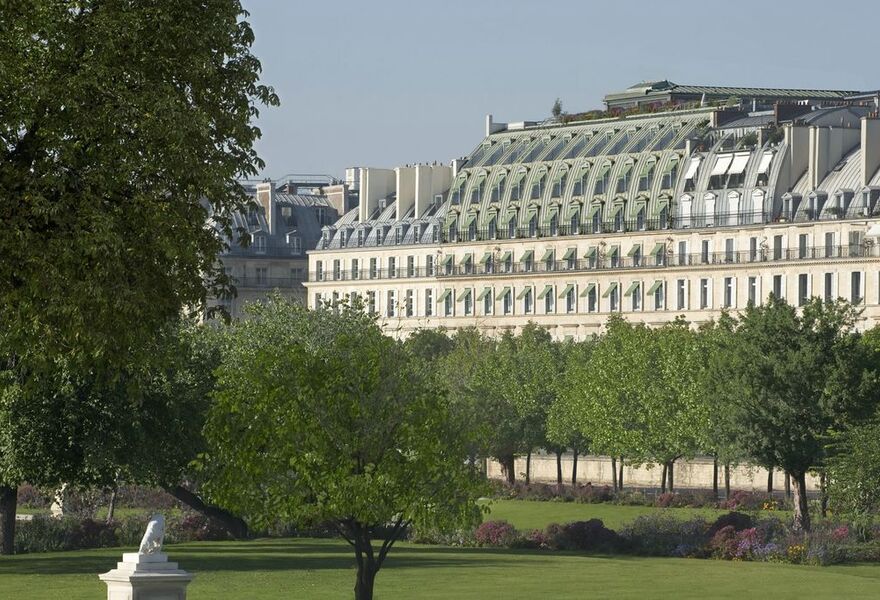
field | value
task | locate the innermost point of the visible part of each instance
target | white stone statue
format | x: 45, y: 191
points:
x: 154, y: 536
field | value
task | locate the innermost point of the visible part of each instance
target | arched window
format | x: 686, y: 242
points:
x: 554, y: 224
x: 493, y: 233
x: 533, y: 226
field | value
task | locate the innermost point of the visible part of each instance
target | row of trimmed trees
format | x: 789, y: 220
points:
x: 771, y: 387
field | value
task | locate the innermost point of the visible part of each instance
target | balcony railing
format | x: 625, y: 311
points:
x: 267, y: 282
x: 268, y: 250
x: 607, y: 262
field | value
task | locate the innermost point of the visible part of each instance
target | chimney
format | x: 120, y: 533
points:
x: 870, y: 147
x: 266, y: 199
x: 827, y: 146
x: 374, y: 184
x: 430, y: 181
x: 797, y: 138
x: 405, y: 182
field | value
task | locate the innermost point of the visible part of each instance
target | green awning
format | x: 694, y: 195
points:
x: 569, y: 253
x: 548, y: 289
x: 523, y: 293
x: 467, y: 258
x: 503, y: 293
x: 469, y: 219
x: 484, y: 293
x: 447, y: 260
x: 591, y: 252
x: 444, y: 295
x: 566, y: 290
x: 626, y: 169
x: 632, y: 287
x: 596, y: 208
x: 657, y: 285
x: 527, y: 256
x: 548, y: 255
x: 658, y: 248
x: 634, y: 250
x: 611, y: 287
x: 464, y: 295
x: 588, y: 289
x: 573, y: 209
x: 485, y: 258
x: 506, y: 256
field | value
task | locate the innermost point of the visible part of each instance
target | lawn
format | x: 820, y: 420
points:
x: 323, y: 569
x: 528, y: 514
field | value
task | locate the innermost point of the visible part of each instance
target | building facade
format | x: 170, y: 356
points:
x: 268, y: 250
x: 652, y: 215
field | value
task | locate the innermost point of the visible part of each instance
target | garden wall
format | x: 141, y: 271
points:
x: 692, y: 474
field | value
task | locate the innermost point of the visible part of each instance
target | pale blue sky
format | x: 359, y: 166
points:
x: 388, y: 82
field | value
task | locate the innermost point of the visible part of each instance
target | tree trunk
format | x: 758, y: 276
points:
x: 508, y: 467
x: 559, y: 469
x: 663, y: 479
x: 787, y: 486
x: 801, y: 512
x: 614, y: 473
x: 770, y: 480
x: 528, y: 467
x: 715, y: 477
x: 620, y: 474
x: 671, y: 473
x: 574, y: 467
x: 8, y: 506
x: 366, y: 579
x: 111, y: 507
x: 235, y: 525
x: 823, y: 494
x: 727, y: 481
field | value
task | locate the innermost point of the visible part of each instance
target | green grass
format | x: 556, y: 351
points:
x: 528, y: 514
x: 323, y: 570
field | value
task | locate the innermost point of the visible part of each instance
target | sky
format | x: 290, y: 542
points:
x: 384, y: 83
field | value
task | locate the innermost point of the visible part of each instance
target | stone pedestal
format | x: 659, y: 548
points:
x: 146, y: 577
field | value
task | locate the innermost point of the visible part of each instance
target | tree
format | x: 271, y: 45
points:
x: 794, y: 377
x: 556, y: 111
x: 319, y: 417
x: 562, y: 430
x: 123, y: 126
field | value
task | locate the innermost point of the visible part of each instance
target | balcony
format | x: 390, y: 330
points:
x: 267, y: 283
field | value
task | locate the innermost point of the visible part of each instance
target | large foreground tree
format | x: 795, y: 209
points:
x: 124, y: 126
x: 319, y: 417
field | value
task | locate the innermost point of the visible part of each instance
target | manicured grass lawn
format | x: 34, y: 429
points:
x: 528, y: 514
x: 323, y: 569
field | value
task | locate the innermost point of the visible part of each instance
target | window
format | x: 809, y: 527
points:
x: 507, y: 303
x: 618, y: 220
x: 829, y: 244
x: 508, y: 263
x: 729, y: 250
x: 337, y: 269
x: 777, y: 286
x: 260, y: 244
x: 295, y: 242
x: 549, y: 260
x: 659, y: 296
x: 488, y: 303
x: 417, y: 234
x: 493, y: 229
x: 453, y: 233
x: 596, y: 221
x: 636, y: 256
x: 448, y: 304
x: 574, y: 224
x: 704, y: 251
x: 592, y: 298
x: 391, y: 305
x: 615, y: 257
x: 856, y: 295
x: 682, y: 253
x: 571, y: 300
x: 468, y: 263
x: 511, y: 228
x: 371, y: 302
x: 263, y: 275
x: 409, y: 303
x: 640, y: 219
x: 392, y: 266
x: 468, y: 302
x: 533, y: 226
x: 554, y: 225
x: 355, y: 269
x: 855, y: 243
x: 829, y: 287
x: 802, y: 245
x: 297, y: 274
x: 753, y: 249
x: 374, y: 268
x: 398, y: 235
x: 803, y: 288
x: 681, y: 294
x: 447, y: 265
x: 360, y: 237
x: 528, y: 302
x: 410, y: 266
x: 614, y: 298
x: 343, y: 238
x: 636, y: 295
x: 529, y: 262
x: 318, y: 300
x: 753, y: 290
x: 472, y: 230
x: 429, y: 265
x: 729, y: 292
x: 777, y: 247
x: 548, y: 302
x: 704, y: 293
x: 319, y: 270
x: 429, y: 302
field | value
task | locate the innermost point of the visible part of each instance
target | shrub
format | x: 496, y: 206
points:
x: 590, y: 494
x: 742, y: 500
x: 533, y: 539
x: 33, y: 497
x: 194, y: 527
x: 495, y: 533
x: 629, y: 498
x: 589, y: 535
x: 664, y: 500
x: 738, y: 521
x: 662, y: 534
x: 47, y: 534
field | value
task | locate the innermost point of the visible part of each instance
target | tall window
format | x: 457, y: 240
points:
x: 533, y: 226
x: 262, y: 275
x: 448, y: 304
x: 392, y: 266
x: 374, y: 268
x: 704, y: 293
x: 829, y: 244
x: 856, y: 295
x: 410, y: 266
x: 429, y: 265
x: 571, y: 301
x: 371, y: 302
x: 319, y: 270
x: 488, y: 303
x: 777, y: 247
x: 803, y: 288
x: 429, y: 302
x: 548, y: 302
x: 355, y: 268
x: 704, y: 251
x: 391, y: 304
x: 337, y: 269
x: 728, y: 250
x: 592, y: 299
x: 802, y: 245
x: 410, y: 299
x: 729, y: 290
x: 528, y: 302
x: 260, y: 244
x: 753, y: 249
x: 753, y: 290
x: 637, y: 297
x: 468, y: 303
x: 777, y: 286
x: 659, y: 296
x: 295, y: 243
x: 682, y: 252
x: 614, y: 299
x: 615, y: 257
x: 681, y: 294
x: 493, y: 229
x: 829, y: 287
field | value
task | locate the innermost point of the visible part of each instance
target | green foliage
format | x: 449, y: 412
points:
x: 855, y: 471
x: 319, y: 417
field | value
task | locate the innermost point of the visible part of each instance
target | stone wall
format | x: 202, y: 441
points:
x: 691, y: 474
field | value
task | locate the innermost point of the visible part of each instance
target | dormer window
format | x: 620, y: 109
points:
x: 260, y: 244
x: 295, y: 244
x: 342, y: 238
x: 398, y: 235
x: 360, y: 237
